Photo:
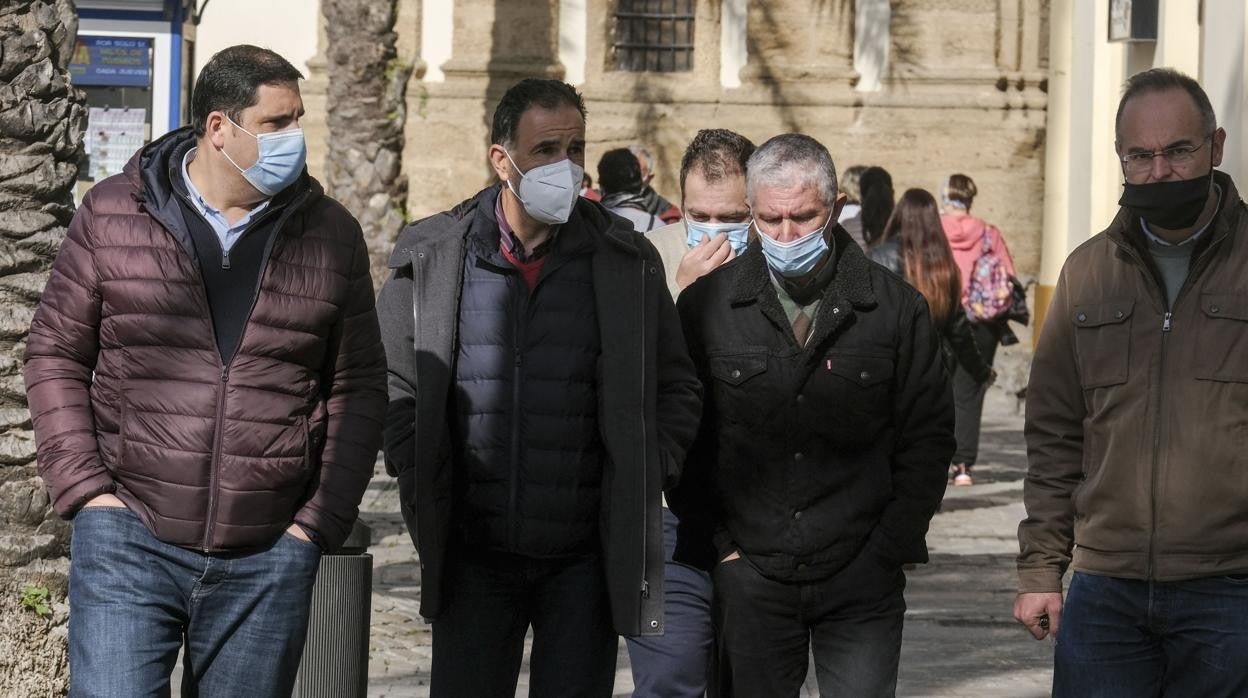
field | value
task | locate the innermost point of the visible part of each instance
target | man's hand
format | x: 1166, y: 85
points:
x: 734, y: 555
x: 297, y: 531
x: 105, y: 500
x: 703, y: 258
x: 1041, y: 612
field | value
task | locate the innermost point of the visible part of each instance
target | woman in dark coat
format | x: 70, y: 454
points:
x: 913, y: 245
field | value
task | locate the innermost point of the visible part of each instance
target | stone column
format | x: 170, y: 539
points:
x: 496, y: 43
x: 504, y: 41
x: 315, y: 121
x: 796, y: 40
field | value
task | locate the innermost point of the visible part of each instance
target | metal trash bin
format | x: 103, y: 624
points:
x: 335, y: 656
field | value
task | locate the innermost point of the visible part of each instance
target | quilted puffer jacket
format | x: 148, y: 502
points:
x: 129, y: 394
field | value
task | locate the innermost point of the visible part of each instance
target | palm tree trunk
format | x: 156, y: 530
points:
x: 41, y: 126
x: 367, y: 109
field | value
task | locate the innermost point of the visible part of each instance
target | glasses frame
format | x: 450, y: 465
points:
x: 1167, y: 154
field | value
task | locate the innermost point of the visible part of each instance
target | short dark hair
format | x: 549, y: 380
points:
x: 619, y: 171
x: 876, y: 185
x: 716, y: 153
x: 231, y: 78
x: 547, y: 94
x: 1161, y: 80
x: 961, y: 189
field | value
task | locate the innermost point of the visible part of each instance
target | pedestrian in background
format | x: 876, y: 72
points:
x: 851, y: 212
x: 970, y: 237
x: 619, y: 177
x: 914, y: 248
x: 716, y: 226
x: 876, y: 186
x: 655, y: 203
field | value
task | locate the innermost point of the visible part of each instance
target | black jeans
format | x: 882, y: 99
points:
x: 968, y: 399
x: 765, y: 629
x: 493, y: 598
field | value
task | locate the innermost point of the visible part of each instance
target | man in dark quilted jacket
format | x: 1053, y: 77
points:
x: 207, y: 384
x: 540, y: 399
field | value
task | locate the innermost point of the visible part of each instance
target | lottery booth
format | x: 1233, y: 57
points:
x: 133, y: 60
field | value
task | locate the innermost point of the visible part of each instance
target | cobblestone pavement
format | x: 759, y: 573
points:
x: 960, y: 639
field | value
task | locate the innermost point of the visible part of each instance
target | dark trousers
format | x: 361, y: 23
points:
x: 493, y: 598
x: 968, y: 399
x: 765, y: 629
x: 676, y: 663
x: 1127, y: 637
x: 134, y: 602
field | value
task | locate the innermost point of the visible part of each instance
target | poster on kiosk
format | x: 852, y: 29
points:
x: 132, y: 60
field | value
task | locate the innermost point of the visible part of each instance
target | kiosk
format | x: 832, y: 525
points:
x: 133, y: 60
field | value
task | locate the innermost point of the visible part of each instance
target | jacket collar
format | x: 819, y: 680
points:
x: 155, y: 176
x: 471, y: 215
x: 1125, y: 229
x: 849, y: 290
x: 851, y: 283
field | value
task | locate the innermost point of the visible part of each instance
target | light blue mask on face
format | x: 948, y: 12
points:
x: 282, y: 155
x: 791, y: 259
x: 738, y: 233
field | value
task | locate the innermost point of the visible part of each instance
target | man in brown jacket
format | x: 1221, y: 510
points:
x: 1137, y: 413
x: 207, y: 383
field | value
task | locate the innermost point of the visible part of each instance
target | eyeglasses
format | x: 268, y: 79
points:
x: 1138, y: 164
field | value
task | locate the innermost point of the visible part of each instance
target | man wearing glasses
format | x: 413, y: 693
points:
x: 1137, y: 418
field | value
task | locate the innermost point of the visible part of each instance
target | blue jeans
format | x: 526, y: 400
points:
x: 1126, y: 637
x: 676, y: 663
x: 135, y: 601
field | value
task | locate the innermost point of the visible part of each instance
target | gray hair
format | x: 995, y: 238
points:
x: 792, y: 159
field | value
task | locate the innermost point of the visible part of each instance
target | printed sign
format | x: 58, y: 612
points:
x: 113, y: 136
x: 114, y: 61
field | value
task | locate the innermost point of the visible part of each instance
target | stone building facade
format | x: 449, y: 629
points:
x: 950, y: 86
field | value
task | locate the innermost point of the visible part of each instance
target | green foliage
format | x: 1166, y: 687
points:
x: 37, y: 599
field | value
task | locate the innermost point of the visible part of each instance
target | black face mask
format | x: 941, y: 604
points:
x: 1169, y: 205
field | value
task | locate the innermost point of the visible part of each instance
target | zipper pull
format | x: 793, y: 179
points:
x: 645, y: 589
x: 225, y: 374
x: 1165, y: 324
x: 225, y: 259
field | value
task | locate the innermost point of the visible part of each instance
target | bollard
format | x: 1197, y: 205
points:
x: 335, y: 656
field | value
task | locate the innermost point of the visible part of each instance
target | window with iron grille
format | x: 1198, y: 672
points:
x: 654, y: 35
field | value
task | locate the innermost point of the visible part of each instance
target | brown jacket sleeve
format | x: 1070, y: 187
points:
x: 355, y: 410
x: 60, y: 358
x: 1054, y: 432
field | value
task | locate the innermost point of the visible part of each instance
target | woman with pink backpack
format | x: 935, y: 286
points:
x: 988, y: 282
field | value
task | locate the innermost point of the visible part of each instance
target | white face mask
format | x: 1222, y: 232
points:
x: 549, y: 192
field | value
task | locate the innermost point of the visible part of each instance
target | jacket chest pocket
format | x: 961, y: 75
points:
x: 741, y: 389
x: 1223, y: 338
x: 1103, y: 342
x: 847, y: 396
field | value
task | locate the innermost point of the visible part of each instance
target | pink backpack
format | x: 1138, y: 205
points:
x: 989, y: 294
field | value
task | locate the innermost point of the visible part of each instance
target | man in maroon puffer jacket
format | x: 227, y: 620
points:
x: 207, y: 384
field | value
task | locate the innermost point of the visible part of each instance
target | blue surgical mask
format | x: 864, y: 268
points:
x: 282, y: 155
x: 738, y: 233
x: 795, y: 258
